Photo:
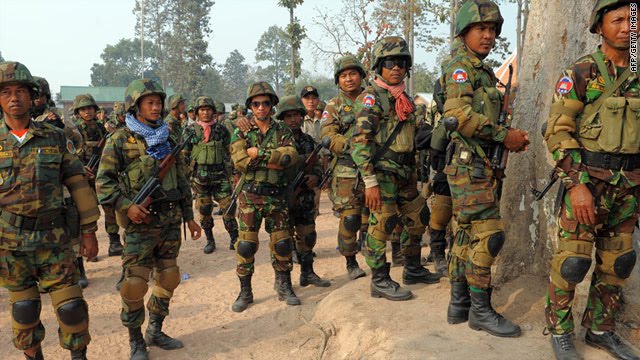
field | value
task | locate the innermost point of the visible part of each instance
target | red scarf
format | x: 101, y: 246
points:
x: 404, y: 106
x: 207, y: 128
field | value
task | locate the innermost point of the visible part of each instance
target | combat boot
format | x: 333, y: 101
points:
x: 83, y: 281
x: 285, y: 288
x: 383, y: 286
x: 482, y: 316
x: 115, y: 247
x: 396, y: 254
x: 414, y: 272
x: 439, y: 259
x: 211, y: 242
x: 155, y: 337
x: 459, y: 304
x: 138, y: 346
x: 246, y: 295
x: 307, y: 275
x: 37, y: 356
x: 80, y: 354
x: 353, y: 269
x: 611, y: 343
x: 563, y: 347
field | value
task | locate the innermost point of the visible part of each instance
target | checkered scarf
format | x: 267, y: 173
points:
x: 156, y: 138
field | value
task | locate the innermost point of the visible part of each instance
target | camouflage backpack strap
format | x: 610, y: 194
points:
x: 386, y: 106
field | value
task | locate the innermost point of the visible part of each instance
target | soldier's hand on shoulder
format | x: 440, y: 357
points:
x: 89, y: 245
x: 244, y: 124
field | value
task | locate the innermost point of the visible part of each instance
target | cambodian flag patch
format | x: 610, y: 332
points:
x: 564, y: 85
x: 325, y: 115
x: 369, y: 101
x: 460, y: 76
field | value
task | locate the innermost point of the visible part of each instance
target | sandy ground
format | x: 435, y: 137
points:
x: 339, y: 322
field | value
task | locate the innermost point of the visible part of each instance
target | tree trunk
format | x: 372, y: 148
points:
x: 556, y: 36
x: 293, y: 50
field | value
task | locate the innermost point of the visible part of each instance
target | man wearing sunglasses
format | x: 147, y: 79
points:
x: 384, y: 152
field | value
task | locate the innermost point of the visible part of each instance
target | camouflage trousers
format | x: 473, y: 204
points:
x: 401, y: 203
x: 252, y: 209
x: 51, y: 269
x: 476, y: 210
x: 110, y: 225
x: 348, y: 202
x: 303, y: 221
x: 220, y: 191
x: 441, y: 211
x: 616, y: 214
x: 146, y: 248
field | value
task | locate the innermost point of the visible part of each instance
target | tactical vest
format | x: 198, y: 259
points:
x: 260, y: 173
x: 404, y: 141
x: 212, y: 152
x: 345, y: 167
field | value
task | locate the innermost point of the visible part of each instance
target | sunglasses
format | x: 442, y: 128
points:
x: 390, y: 63
x: 257, y: 104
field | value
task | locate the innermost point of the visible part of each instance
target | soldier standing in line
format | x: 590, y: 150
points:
x: 261, y: 155
x: 177, y: 104
x: 338, y: 122
x: 152, y: 235
x: 384, y: 151
x: 191, y: 114
x: 594, y: 135
x: 311, y: 123
x: 36, y: 231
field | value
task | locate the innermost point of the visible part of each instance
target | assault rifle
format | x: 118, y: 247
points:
x: 498, y: 155
x: 92, y: 165
x: 298, y: 180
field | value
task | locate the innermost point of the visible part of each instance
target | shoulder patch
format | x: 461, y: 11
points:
x: 460, y: 76
x: 347, y: 108
x: 325, y: 115
x: 369, y: 101
x: 564, y: 85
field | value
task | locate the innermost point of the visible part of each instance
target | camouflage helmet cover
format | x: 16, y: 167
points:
x: 600, y: 8
x: 174, y: 101
x: 12, y: 72
x: 261, y: 88
x: 43, y: 87
x: 220, y: 108
x: 204, y: 101
x: 190, y: 106
x: 478, y: 11
x: 84, y: 100
x: 347, y: 62
x: 234, y: 107
x: 118, y: 108
x: 390, y: 46
x: 290, y: 103
x: 139, y: 88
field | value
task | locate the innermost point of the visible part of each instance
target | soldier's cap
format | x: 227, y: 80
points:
x: 309, y: 90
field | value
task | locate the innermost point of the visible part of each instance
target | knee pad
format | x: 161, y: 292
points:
x: 624, y: 264
x: 441, y: 212
x: 495, y: 243
x: 167, y: 275
x: 247, y: 249
x: 418, y: 214
x: 487, y: 238
x: 134, y: 287
x: 574, y: 269
x: 350, y: 222
x: 570, y: 263
x: 387, y: 220
x: 283, y: 247
x: 615, y: 258
x: 25, y: 308
x: 71, y: 309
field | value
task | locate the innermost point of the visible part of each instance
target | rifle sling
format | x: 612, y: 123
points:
x: 609, y: 90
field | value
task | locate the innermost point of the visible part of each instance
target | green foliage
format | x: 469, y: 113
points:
x: 235, y: 75
x: 273, y: 49
x: 424, y: 78
x: 121, y: 64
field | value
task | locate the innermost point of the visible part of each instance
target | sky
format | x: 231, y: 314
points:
x: 61, y: 39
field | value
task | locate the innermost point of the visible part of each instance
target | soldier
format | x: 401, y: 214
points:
x: 261, y: 154
x: 101, y: 115
x: 338, y: 122
x: 152, y: 235
x: 177, y: 104
x: 85, y: 108
x: 116, y: 118
x: 36, y: 230
x: 208, y: 149
x: 320, y: 109
x: 191, y: 114
x: 593, y: 134
x: 302, y: 208
x: 311, y: 124
x: 384, y: 151
x: 469, y: 87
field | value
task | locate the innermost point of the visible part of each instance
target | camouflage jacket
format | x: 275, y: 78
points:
x: 222, y: 138
x: 92, y: 134
x: 304, y: 145
x: 338, y: 122
x: 71, y: 131
x: 373, y: 129
x: 175, y: 127
x: 31, y: 184
x: 583, y: 81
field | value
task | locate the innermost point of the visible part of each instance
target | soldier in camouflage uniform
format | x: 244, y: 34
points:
x: 152, y: 235
x: 208, y: 149
x: 191, y: 114
x: 593, y: 134
x: 177, y: 104
x: 116, y: 118
x: 302, y: 207
x: 384, y: 152
x: 469, y: 87
x: 338, y: 123
x: 36, y: 231
x: 85, y: 108
x: 261, y: 154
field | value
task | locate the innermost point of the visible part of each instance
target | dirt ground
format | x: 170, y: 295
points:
x: 339, y: 322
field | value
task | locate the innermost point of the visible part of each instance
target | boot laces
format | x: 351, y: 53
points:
x: 565, y: 342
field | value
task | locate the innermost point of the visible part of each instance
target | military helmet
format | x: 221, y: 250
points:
x: 290, y: 103
x: 174, y: 101
x: 600, y: 8
x: 12, y: 72
x: 234, y: 107
x: 220, y: 108
x: 261, y: 88
x: 347, y: 62
x: 118, y: 108
x: 390, y: 46
x: 43, y: 87
x: 84, y: 100
x: 203, y: 101
x: 190, y: 106
x: 139, y: 88
x: 478, y: 11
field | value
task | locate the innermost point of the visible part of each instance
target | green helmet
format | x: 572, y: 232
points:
x: 261, y: 88
x: 203, y: 101
x: 174, y: 101
x: 12, y: 72
x: 600, y: 8
x: 190, y: 106
x: 347, y: 62
x: 84, y: 100
x: 43, y: 87
x: 220, y: 108
x: 290, y: 103
x: 118, y: 108
x: 102, y: 109
x: 478, y: 11
x: 139, y: 88
x: 234, y: 107
x: 390, y: 46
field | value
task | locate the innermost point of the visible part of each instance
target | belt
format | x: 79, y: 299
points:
x: 263, y: 190
x: 611, y: 161
x: 164, y: 206
x: 214, y: 167
x: 404, y: 158
x: 46, y: 221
